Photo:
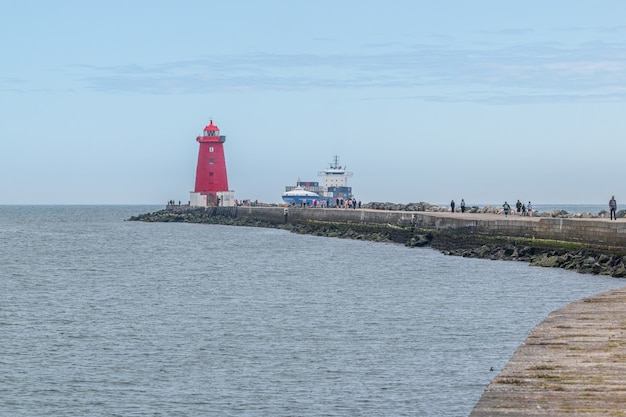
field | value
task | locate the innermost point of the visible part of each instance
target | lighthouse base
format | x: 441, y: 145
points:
x: 219, y: 198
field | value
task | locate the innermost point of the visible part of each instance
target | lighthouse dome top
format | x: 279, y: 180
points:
x: 211, y: 127
x: 211, y: 133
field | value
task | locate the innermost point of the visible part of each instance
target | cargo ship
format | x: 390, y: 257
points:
x: 335, y: 187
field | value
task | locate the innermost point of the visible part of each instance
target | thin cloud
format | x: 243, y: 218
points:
x: 541, y: 70
x: 509, y: 32
x: 600, y: 29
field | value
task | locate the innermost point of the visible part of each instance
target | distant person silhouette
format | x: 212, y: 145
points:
x: 613, y: 208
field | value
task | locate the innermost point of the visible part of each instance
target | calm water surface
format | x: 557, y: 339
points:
x: 103, y: 317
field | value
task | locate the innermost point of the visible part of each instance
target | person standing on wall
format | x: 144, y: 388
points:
x: 462, y: 205
x: 506, y: 208
x: 452, y: 205
x: 613, y: 208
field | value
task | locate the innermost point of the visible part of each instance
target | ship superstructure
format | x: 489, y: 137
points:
x: 335, y: 179
x: 334, y: 184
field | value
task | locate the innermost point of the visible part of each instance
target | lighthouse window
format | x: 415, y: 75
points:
x: 211, y: 160
x: 211, y: 149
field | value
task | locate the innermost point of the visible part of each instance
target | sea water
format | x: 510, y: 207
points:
x: 105, y: 317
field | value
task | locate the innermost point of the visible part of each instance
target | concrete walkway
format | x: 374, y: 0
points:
x: 572, y: 364
x: 491, y: 216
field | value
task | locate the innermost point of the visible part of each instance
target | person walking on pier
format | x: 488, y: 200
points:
x: 452, y: 205
x: 613, y: 208
x: 462, y: 205
x: 506, y: 208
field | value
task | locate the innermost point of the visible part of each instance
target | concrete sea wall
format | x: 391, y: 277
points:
x: 596, y: 233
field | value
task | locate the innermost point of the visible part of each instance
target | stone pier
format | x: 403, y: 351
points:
x: 572, y: 364
x: 597, y: 233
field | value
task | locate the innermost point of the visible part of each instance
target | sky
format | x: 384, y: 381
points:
x: 101, y: 102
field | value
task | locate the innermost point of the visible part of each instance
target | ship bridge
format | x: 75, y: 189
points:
x: 336, y: 180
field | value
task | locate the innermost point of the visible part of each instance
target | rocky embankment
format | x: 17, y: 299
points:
x: 376, y: 233
x: 582, y: 260
x: 566, y: 255
x: 199, y: 215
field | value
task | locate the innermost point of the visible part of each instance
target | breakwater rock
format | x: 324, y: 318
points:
x: 582, y: 260
x: 426, y: 207
x: 228, y: 216
x: 405, y: 207
x: 586, y: 246
x: 211, y: 215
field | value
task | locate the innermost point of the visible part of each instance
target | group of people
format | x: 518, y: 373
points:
x: 326, y: 203
x: 348, y: 203
x: 452, y: 205
x: 527, y: 209
x: 246, y: 202
x: 521, y: 208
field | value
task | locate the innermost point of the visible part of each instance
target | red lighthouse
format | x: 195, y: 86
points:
x: 211, y: 179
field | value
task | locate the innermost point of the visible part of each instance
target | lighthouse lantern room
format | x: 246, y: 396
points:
x: 211, y: 187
